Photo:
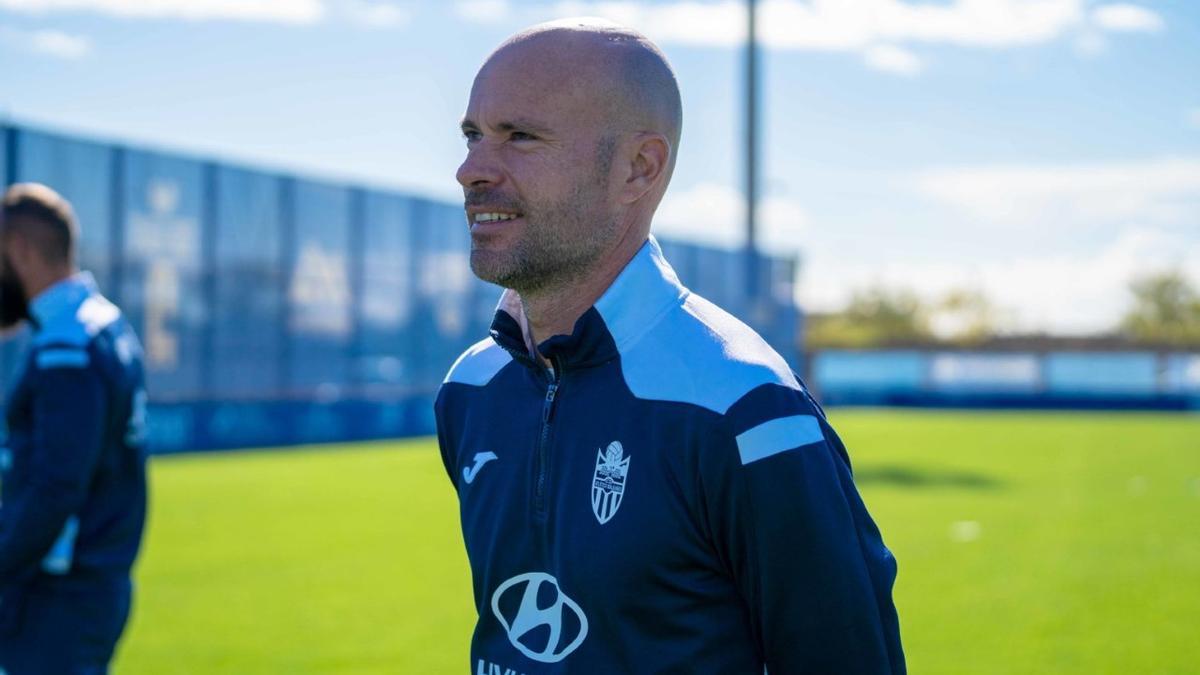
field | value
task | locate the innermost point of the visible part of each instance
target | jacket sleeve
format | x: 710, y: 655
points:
x: 791, y: 529
x: 445, y: 435
x: 68, y: 399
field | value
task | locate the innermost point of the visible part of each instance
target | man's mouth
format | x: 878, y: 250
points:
x: 493, y: 217
x: 486, y: 221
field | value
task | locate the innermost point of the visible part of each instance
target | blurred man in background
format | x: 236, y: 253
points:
x: 644, y: 485
x: 72, y: 477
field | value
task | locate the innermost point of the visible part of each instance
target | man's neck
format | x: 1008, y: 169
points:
x: 555, y: 309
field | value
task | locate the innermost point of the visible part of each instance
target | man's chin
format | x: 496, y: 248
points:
x: 494, y: 267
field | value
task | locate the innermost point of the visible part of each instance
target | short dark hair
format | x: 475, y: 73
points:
x: 44, y: 217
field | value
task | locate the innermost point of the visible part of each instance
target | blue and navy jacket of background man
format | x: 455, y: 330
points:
x: 666, y: 498
x: 73, y: 490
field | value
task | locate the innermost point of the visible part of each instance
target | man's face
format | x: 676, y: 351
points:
x: 14, y: 308
x: 537, y: 174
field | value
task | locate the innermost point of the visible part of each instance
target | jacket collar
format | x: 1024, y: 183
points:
x: 61, y: 298
x: 635, y: 301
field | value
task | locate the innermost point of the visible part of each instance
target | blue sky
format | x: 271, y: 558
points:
x: 1042, y: 151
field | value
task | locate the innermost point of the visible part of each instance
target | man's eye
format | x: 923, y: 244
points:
x: 522, y: 136
x: 471, y: 135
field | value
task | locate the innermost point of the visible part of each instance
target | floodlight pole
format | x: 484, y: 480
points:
x: 751, y: 168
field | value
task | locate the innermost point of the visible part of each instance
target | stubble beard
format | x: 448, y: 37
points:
x: 560, y: 243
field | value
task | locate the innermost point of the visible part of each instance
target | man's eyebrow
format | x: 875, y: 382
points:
x: 523, y: 124
x: 518, y: 124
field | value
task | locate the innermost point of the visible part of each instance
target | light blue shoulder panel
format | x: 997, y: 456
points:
x: 699, y: 354
x: 78, y: 327
x: 479, y: 364
x: 65, y: 329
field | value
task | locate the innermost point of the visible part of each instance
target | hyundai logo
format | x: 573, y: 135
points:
x: 561, y: 615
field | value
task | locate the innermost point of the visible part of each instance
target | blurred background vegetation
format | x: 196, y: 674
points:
x: 1163, y: 313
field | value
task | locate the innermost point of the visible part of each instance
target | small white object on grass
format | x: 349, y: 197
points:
x: 963, y: 531
x: 1138, y: 485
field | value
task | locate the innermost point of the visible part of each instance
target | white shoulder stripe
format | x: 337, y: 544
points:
x: 778, y: 435
x: 62, y: 358
x: 97, y: 313
x: 479, y: 364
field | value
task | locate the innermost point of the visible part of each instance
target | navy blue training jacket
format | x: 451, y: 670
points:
x: 73, y: 480
x: 666, y: 498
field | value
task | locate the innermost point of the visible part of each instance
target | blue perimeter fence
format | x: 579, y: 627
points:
x: 278, y: 310
x: 1168, y: 380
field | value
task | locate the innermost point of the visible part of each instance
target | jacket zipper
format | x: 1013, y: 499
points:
x: 543, y: 451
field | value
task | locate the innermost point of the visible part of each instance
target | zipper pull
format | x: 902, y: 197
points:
x: 555, y: 377
x: 549, y: 407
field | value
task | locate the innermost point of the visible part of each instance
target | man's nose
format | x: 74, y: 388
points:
x: 479, y: 169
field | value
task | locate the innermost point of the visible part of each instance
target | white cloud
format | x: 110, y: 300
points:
x: 1127, y: 18
x: 878, y: 29
x: 853, y: 24
x: 48, y: 42
x: 1090, y: 42
x: 682, y: 22
x: 1055, y: 247
x: 376, y: 14
x: 1078, y: 292
x: 827, y: 25
x: 707, y: 212
x: 1016, y: 196
x: 893, y: 59
x: 716, y: 214
x: 1074, y: 292
x: 268, y: 11
x: 60, y: 44
x: 482, y: 11
x: 366, y: 13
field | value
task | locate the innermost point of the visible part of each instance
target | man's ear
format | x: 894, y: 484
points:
x: 648, y: 162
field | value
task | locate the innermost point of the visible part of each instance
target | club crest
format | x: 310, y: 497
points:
x: 608, y: 483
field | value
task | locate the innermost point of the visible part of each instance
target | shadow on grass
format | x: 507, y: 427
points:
x: 909, y: 477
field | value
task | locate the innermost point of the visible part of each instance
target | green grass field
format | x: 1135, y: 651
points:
x: 1027, y: 543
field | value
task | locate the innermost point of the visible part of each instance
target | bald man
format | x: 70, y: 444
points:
x: 644, y: 485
